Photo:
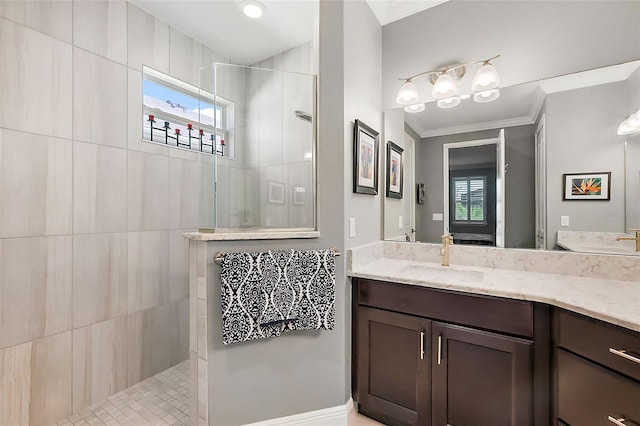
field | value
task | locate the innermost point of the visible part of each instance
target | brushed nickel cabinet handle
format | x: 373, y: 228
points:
x: 631, y: 356
x: 439, y: 349
x: 422, y: 345
x: 619, y: 422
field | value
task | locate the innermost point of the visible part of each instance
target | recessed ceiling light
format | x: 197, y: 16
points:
x: 252, y: 8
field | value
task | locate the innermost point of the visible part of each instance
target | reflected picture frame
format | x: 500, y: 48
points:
x: 298, y: 196
x: 365, y: 159
x: 275, y: 193
x: 586, y: 186
x: 395, y: 170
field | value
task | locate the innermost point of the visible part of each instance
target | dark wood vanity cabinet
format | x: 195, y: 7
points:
x: 480, y: 378
x: 430, y: 357
x: 597, y: 372
x: 394, y: 355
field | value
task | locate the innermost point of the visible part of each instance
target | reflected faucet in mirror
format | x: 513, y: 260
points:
x: 447, y: 240
x: 636, y: 238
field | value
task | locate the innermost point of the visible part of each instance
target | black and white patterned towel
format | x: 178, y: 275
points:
x: 267, y: 293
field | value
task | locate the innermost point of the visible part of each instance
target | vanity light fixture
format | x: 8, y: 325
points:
x: 253, y: 9
x: 485, y: 84
x: 630, y: 125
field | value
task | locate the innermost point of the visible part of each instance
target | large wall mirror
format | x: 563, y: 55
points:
x: 495, y: 173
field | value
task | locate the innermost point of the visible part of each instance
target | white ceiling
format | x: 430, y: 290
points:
x: 387, y: 11
x: 221, y: 25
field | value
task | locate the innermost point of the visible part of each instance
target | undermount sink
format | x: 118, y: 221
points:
x: 444, y: 273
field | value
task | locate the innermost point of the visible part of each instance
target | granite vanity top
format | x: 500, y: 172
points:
x: 616, y: 301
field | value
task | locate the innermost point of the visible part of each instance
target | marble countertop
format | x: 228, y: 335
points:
x: 597, y: 242
x: 250, y: 235
x: 593, y: 248
x: 614, y: 301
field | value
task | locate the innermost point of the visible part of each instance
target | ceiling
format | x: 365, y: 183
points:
x: 221, y: 25
x: 387, y: 11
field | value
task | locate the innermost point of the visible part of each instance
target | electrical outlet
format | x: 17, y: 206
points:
x: 564, y: 220
x: 352, y: 227
x: 399, y: 222
x: 438, y: 217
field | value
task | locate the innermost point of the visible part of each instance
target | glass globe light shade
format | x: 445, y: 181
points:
x: 486, y: 96
x: 414, y: 108
x: 449, y: 102
x: 444, y: 87
x: 486, y: 78
x: 408, y: 94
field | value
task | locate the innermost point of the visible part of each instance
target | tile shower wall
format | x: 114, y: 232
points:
x: 94, y: 278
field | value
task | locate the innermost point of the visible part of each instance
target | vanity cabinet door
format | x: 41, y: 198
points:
x: 393, y: 367
x: 591, y: 395
x: 480, y: 378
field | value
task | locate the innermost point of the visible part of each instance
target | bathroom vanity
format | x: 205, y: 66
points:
x: 430, y: 342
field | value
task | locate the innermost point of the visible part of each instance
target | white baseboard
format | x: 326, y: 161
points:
x: 333, y: 416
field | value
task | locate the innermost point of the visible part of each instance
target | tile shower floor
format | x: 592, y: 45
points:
x: 160, y: 400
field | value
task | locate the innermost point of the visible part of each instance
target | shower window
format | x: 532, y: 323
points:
x: 180, y: 115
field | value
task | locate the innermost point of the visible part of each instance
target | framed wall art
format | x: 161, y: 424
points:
x: 365, y: 159
x: 394, y: 170
x: 586, y: 186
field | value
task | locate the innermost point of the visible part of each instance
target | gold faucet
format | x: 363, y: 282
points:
x: 447, y: 240
x: 636, y: 238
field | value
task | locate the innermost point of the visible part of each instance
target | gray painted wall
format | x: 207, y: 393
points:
x: 362, y: 82
x: 520, y: 199
x: 581, y: 137
x: 309, y: 371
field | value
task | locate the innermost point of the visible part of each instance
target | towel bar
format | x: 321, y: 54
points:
x: 218, y: 257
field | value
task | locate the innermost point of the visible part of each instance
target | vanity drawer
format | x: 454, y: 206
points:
x: 588, y: 394
x: 595, y: 340
x: 485, y: 312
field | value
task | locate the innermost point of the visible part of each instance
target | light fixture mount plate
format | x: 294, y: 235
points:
x: 456, y: 73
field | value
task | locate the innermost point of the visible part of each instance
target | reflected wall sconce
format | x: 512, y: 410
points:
x: 630, y: 125
x: 485, y: 86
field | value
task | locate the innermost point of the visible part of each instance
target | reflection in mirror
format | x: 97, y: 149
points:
x: 552, y: 125
x: 581, y: 142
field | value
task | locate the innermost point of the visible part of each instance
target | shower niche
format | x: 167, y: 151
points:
x: 265, y: 121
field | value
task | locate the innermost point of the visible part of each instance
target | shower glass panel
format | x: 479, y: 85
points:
x: 262, y: 176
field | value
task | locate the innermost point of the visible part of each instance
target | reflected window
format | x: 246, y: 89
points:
x: 470, y: 200
x: 180, y: 115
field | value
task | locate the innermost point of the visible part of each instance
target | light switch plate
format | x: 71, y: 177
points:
x: 438, y: 217
x: 399, y: 222
x: 564, y: 220
x: 352, y: 227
